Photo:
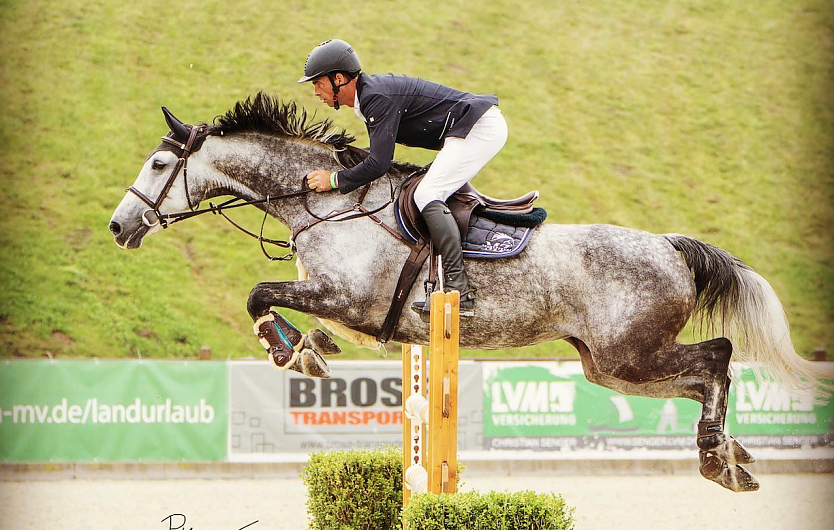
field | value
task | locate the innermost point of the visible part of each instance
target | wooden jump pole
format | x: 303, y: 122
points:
x: 432, y: 466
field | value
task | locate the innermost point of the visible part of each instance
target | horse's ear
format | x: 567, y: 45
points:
x: 180, y: 131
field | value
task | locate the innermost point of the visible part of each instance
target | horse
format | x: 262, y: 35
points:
x: 619, y: 296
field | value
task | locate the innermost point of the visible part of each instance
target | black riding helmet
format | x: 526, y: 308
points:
x: 330, y: 57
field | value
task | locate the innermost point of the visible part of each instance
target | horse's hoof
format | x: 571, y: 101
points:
x: 726, y: 448
x: 740, y: 453
x: 321, y: 342
x: 311, y: 364
x: 734, y: 478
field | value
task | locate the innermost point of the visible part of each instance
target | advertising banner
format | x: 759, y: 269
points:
x: 113, y: 411
x: 275, y: 414
x: 245, y: 411
x: 764, y: 413
x: 551, y: 406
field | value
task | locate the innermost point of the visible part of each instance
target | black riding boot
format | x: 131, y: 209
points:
x: 445, y: 236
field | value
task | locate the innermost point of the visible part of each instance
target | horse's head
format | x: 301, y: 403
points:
x: 258, y: 151
x: 162, y: 186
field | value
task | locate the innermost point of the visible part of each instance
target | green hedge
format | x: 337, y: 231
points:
x: 489, y: 511
x: 363, y: 490
x: 355, y: 489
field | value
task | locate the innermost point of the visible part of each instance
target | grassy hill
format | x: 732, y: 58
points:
x: 712, y: 118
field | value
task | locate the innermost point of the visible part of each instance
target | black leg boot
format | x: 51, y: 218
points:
x: 445, y: 236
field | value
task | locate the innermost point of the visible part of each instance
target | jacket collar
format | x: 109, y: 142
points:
x: 360, y: 83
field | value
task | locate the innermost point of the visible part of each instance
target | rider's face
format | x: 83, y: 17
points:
x: 324, y: 89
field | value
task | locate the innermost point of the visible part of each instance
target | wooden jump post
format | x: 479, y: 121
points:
x: 433, y: 466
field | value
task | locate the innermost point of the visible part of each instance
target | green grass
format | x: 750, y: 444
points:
x: 710, y: 118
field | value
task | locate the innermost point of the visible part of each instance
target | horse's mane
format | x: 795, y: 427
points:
x: 269, y: 115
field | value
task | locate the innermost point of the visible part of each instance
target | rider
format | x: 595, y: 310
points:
x: 467, y: 130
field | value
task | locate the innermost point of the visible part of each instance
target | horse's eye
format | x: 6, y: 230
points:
x: 158, y: 165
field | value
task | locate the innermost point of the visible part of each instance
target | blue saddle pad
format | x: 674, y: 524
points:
x: 487, y: 239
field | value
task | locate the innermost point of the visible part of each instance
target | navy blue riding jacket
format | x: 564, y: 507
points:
x: 412, y: 112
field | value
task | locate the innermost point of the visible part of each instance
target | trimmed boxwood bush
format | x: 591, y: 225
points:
x: 355, y: 489
x: 363, y: 490
x: 490, y: 511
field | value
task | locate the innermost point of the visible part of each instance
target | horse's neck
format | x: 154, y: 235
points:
x: 252, y: 166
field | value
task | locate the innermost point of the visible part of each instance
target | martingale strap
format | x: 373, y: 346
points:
x: 335, y: 216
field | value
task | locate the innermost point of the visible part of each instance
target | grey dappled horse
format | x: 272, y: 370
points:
x: 620, y: 296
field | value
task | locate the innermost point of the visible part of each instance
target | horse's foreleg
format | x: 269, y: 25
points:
x: 287, y: 347
x: 317, y: 297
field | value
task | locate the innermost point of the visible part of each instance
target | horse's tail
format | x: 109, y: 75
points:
x: 733, y: 300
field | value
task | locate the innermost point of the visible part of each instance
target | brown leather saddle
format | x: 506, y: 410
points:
x: 462, y: 204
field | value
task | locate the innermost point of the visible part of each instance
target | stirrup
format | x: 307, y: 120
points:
x: 466, y: 310
x: 423, y: 308
x: 467, y: 306
x: 425, y: 314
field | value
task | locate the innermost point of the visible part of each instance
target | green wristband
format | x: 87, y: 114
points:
x: 333, y: 180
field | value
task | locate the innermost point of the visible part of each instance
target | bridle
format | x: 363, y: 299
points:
x: 167, y: 219
x: 182, y: 163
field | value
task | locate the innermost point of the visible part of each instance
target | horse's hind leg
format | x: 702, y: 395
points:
x: 720, y: 454
x: 694, y: 371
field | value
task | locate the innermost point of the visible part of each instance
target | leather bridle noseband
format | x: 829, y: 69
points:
x: 181, y: 163
x: 164, y: 220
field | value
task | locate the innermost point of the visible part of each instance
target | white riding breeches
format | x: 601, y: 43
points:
x: 460, y: 159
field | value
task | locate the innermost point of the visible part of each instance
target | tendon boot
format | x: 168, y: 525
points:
x: 281, y: 340
x: 445, y: 237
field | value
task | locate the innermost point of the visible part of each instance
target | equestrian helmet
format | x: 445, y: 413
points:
x: 329, y: 57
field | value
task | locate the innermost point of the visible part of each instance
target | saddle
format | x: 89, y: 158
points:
x: 462, y: 204
x: 489, y: 227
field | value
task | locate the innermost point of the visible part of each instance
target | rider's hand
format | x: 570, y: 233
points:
x: 319, y: 180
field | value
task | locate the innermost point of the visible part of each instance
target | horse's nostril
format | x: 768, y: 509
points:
x: 116, y: 228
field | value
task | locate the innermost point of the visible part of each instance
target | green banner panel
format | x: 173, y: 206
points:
x: 764, y: 413
x: 546, y: 406
x: 113, y: 411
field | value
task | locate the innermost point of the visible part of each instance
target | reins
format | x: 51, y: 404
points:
x: 232, y: 204
x: 357, y: 207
